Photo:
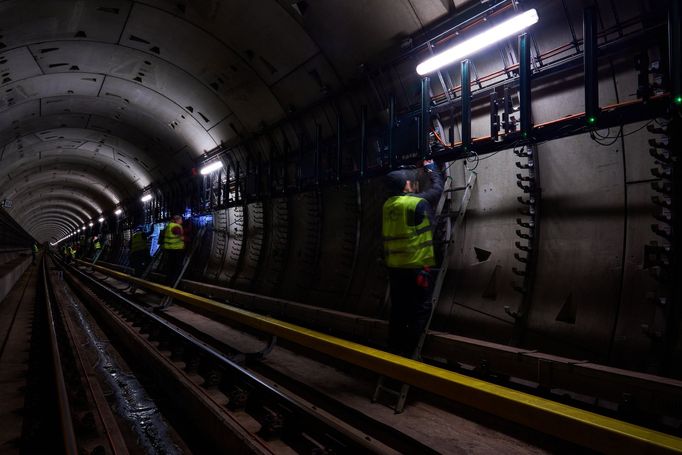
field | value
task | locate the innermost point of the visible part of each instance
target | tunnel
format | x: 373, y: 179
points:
x: 273, y: 128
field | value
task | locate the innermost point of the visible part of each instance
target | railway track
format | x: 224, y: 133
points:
x: 577, y: 423
x: 218, y: 403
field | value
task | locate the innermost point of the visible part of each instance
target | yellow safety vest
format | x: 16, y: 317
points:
x: 138, y: 243
x: 72, y: 252
x: 98, y: 246
x: 172, y: 241
x: 405, y: 246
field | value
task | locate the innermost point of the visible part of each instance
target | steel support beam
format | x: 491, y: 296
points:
x: 675, y: 51
x: 525, y: 75
x: 466, y: 105
x: 590, y: 66
x: 424, y: 118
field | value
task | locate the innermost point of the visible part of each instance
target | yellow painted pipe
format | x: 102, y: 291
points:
x: 566, y: 422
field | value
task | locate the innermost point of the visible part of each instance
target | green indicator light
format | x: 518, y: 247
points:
x: 591, y: 119
x: 678, y: 100
x: 524, y: 134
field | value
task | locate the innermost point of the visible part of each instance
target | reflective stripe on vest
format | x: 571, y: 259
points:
x: 405, y: 246
x: 138, y: 243
x: 172, y: 241
x: 98, y: 246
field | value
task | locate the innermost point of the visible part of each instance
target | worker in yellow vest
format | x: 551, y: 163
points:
x: 139, y: 251
x: 409, y: 254
x: 173, y: 246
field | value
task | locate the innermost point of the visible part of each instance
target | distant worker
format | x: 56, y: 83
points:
x: 139, y: 251
x: 98, y: 249
x: 173, y: 246
x: 72, y: 253
x: 34, y: 251
x: 409, y: 254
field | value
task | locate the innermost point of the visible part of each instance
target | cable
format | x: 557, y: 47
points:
x: 476, y: 158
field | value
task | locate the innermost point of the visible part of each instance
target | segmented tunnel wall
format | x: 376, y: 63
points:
x: 593, y: 297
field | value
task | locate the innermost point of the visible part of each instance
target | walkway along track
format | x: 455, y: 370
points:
x: 229, y: 406
x: 585, y: 428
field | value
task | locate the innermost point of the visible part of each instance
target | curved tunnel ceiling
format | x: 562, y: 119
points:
x: 127, y: 92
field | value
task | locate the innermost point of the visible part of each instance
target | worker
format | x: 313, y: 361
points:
x: 173, y: 246
x: 97, y: 245
x: 409, y: 254
x: 73, y: 250
x: 139, y: 252
x: 34, y: 251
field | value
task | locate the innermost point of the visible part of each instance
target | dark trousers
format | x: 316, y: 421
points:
x: 410, y: 310
x: 173, y: 265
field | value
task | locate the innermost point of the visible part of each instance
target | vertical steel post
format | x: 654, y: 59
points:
x: 391, y: 128
x: 590, y: 65
x: 494, y: 117
x: 237, y: 188
x: 226, y: 188
x: 318, y: 139
x: 424, y: 117
x: 674, y: 52
x: 363, y: 140
x: 466, y: 105
x: 339, y: 146
x: 525, y: 75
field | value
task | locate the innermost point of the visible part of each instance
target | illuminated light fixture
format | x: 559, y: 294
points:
x: 214, y: 166
x: 591, y: 119
x: 101, y: 219
x: 678, y: 100
x: 91, y: 224
x: 118, y: 212
x: 83, y: 228
x: 472, y: 45
x: 146, y: 197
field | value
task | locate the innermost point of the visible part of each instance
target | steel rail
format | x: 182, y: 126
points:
x: 65, y: 417
x: 297, y: 416
x: 566, y: 422
x: 652, y: 395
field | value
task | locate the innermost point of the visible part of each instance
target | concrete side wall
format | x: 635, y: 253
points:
x: 9, y: 278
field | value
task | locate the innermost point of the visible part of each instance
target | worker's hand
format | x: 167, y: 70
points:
x: 430, y: 166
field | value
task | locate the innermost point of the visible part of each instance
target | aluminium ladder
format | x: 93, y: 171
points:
x: 451, y: 228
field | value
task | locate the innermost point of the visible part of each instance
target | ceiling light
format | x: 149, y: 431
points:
x: 214, y: 166
x: 91, y: 224
x: 472, y: 45
x: 146, y: 197
x: 118, y: 212
x: 101, y: 219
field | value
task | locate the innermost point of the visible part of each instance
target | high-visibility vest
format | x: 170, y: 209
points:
x: 98, y: 246
x: 35, y: 248
x: 172, y: 241
x: 138, y: 242
x: 72, y: 252
x: 405, y: 246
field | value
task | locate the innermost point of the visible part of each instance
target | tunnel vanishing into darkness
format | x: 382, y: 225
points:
x: 568, y: 246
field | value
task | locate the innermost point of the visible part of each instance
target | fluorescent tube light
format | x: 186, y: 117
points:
x: 472, y: 45
x: 146, y: 197
x: 91, y: 224
x: 118, y: 212
x: 214, y: 166
x: 101, y: 219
